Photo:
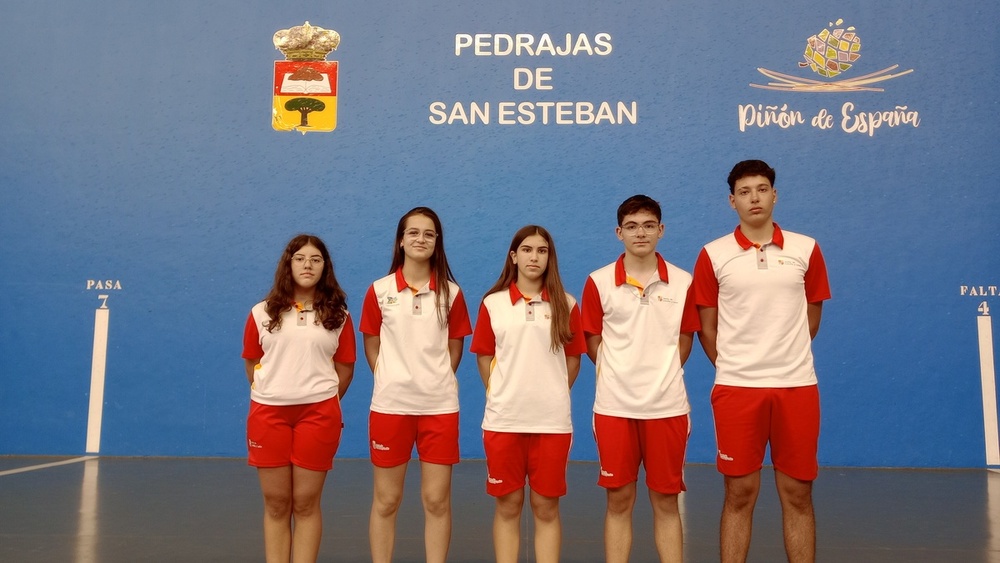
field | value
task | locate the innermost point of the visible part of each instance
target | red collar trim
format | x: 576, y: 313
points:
x: 515, y: 293
x: 401, y: 281
x: 621, y: 276
x: 777, y: 238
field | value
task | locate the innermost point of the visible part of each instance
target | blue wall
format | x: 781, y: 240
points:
x: 136, y: 147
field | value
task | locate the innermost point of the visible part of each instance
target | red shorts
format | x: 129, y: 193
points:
x: 391, y: 438
x: 747, y: 418
x: 304, y: 435
x: 659, y: 444
x: 541, y: 458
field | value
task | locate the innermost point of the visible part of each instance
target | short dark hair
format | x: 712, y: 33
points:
x: 749, y: 168
x: 638, y: 203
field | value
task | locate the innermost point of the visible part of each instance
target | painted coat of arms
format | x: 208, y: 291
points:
x: 305, y: 83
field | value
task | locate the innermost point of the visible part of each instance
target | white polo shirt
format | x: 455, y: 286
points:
x: 296, y: 361
x: 762, y: 294
x: 639, y: 372
x: 413, y: 372
x: 529, y: 384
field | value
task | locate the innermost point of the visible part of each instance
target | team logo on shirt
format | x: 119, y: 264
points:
x: 788, y: 262
x: 391, y: 300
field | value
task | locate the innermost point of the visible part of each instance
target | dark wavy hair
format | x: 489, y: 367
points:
x: 749, y: 168
x: 439, y: 260
x: 330, y: 302
x: 560, y: 331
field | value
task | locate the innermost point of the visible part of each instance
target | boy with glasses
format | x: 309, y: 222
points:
x: 639, y: 325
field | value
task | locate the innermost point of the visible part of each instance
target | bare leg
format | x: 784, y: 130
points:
x: 386, y: 498
x: 668, y: 531
x: 507, y: 526
x: 548, y: 528
x: 435, y: 491
x: 737, y: 516
x: 618, y: 524
x: 797, y: 517
x: 276, y: 485
x: 307, y: 491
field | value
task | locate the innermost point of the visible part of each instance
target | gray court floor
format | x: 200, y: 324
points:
x: 183, y: 509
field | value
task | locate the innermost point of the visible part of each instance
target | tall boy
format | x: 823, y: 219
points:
x: 760, y: 294
x: 639, y: 326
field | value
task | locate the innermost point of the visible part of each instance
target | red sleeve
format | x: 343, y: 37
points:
x: 371, y: 314
x: 591, y: 310
x: 577, y: 346
x: 252, y: 349
x: 459, y: 325
x: 691, y: 320
x: 347, y: 350
x: 817, y: 284
x: 483, y: 340
x: 705, y: 284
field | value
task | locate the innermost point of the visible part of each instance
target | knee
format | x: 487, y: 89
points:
x: 741, y: 494
x: 437, y: 505
x: 664, y: 505
x: 621, y: 500
x: 796, y: 495
x: 304, y: 506
x: 800, y: 504
x: 386, y: 504
x: 278, y: 506
x: 545, y: 509
x: 509, y: 506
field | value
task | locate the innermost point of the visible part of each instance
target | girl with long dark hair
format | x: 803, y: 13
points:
x: 414, y: 322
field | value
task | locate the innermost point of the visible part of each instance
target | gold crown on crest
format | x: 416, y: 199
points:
x: 306, y: 42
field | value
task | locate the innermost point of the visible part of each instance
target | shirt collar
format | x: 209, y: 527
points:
x: 777, y: 238
x: 621, y: 276
x: 401, y: 281
x: 515, y: 294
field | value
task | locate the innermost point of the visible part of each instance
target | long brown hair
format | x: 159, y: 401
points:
x: 558, y: 302
x: 330, y: 301
x: 439, y: 261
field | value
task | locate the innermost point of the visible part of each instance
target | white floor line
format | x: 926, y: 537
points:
x: 46, y: 465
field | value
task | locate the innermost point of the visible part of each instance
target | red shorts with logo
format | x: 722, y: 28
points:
x: 304, y: 435
x: 512, y: 457
x: 391, y: 438
x: 747, y: 419
x: 659, y: 444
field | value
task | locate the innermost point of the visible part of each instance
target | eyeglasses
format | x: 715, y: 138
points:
x: 313, y: 261
x: 416, y: 233
x: 633, y: 228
